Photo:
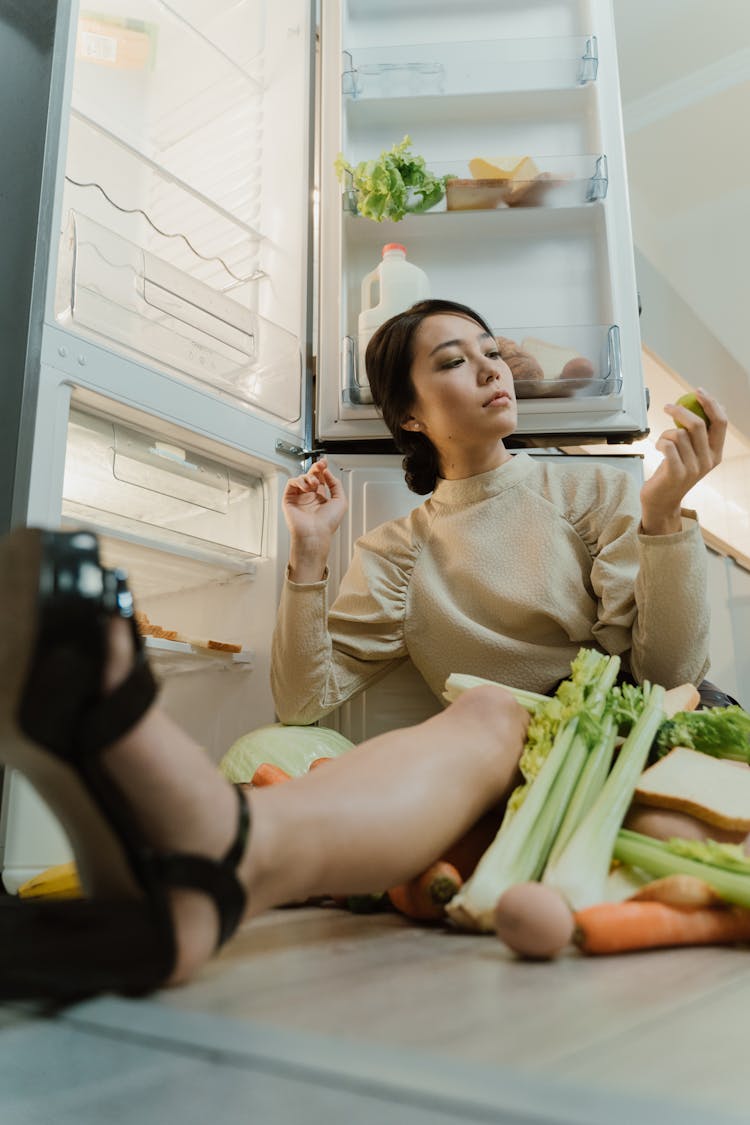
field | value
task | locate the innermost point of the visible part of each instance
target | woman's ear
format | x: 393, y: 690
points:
x: 410, y: 424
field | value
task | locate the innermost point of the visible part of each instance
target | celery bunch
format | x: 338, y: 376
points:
x: 562, y: 823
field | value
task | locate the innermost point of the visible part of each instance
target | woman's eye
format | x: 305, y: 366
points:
x: 452, y: 362
x: 493, y: 355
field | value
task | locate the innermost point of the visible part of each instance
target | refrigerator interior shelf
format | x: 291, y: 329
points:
x: 175, y: 657
x: 541, y: 181
x: 116, y: 290
x: 456, y: 69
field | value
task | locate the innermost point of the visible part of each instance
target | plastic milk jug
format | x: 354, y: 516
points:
x: 399, y: 284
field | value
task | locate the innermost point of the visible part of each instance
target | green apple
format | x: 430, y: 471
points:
x: 690, y: 402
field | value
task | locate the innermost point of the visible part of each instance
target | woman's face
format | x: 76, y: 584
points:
x: 463, y: 391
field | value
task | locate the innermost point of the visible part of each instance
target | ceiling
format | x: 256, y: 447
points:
x: 685, y: 80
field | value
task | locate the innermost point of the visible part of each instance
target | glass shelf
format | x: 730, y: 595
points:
x: 112, y: 288
x: 541, y: 181
x: 457, y: 69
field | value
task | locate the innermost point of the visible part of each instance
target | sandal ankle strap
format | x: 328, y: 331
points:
x: 215, y: 877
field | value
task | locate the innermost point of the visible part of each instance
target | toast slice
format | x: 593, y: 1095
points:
x: 713, y: 789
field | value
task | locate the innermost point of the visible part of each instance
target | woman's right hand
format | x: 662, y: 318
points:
x: 314, y: 505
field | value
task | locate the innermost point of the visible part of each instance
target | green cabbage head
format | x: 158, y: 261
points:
x: 289, y: 747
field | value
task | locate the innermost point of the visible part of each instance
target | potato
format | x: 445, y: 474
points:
x: 534, y: 921
x: 579, y: 368
x: 521, y: 364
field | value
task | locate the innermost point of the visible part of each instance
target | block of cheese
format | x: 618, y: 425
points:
x: 713, y: 789
x: 518, y: 173
x: 503, y: 168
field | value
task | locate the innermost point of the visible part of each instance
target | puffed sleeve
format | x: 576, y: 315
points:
x: 651, y: 589
x: 320, y: 659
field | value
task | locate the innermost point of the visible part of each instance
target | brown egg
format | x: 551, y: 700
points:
x: 578, y: 368
x: 534, y: 921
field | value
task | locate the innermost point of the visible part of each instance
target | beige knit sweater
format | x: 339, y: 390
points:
x: 503, y: 575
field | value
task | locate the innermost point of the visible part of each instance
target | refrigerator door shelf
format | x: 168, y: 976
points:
x: 116, y: 291
x: 570, y: 362
x: 171, y: 658
x: 456, y: 69
x: 544, y: 181
x: 127, y: 480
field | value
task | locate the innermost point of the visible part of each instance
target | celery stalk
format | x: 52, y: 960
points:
x: 580, y: 871
x: 654, y: 856
x: 504, y: 863
x: 590, y: 784
x: 457, y: 683
x: 536, y: 852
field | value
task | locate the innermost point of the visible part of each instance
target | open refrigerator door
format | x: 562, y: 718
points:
x: 515, y: 110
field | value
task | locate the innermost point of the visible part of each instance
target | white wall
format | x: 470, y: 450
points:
x: 729, y: 598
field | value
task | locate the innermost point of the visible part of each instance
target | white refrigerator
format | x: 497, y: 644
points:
x: 186, y: 334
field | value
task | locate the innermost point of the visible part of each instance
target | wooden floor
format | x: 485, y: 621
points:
x: 315, y: 1016
x: 670, y: 1025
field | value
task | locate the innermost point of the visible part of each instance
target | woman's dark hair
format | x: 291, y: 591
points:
x: 388, y: 359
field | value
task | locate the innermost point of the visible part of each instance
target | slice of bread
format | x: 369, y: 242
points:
x: 685, y: 697
x: 713, y: 789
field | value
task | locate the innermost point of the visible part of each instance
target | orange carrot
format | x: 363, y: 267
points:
x: 269, y: 774
x: 424, y: 897
x: 619, y: 927
x: 318, y: 762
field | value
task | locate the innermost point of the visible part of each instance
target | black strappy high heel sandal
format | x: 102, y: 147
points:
x: 54, y: 723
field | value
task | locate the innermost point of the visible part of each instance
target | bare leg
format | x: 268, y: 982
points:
x: 367, y: 821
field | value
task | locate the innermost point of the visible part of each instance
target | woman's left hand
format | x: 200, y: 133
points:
x: 690, y: 452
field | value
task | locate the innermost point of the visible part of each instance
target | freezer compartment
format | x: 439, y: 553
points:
x: 454, y: 69
x: 159, y: 491
x: 115, y: 290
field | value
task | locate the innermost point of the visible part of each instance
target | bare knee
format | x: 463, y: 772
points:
x: 496, y: 711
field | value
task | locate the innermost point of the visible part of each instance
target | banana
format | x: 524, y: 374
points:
x: 60, y: 881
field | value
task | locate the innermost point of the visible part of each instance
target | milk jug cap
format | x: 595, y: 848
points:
x: 393, y: 246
